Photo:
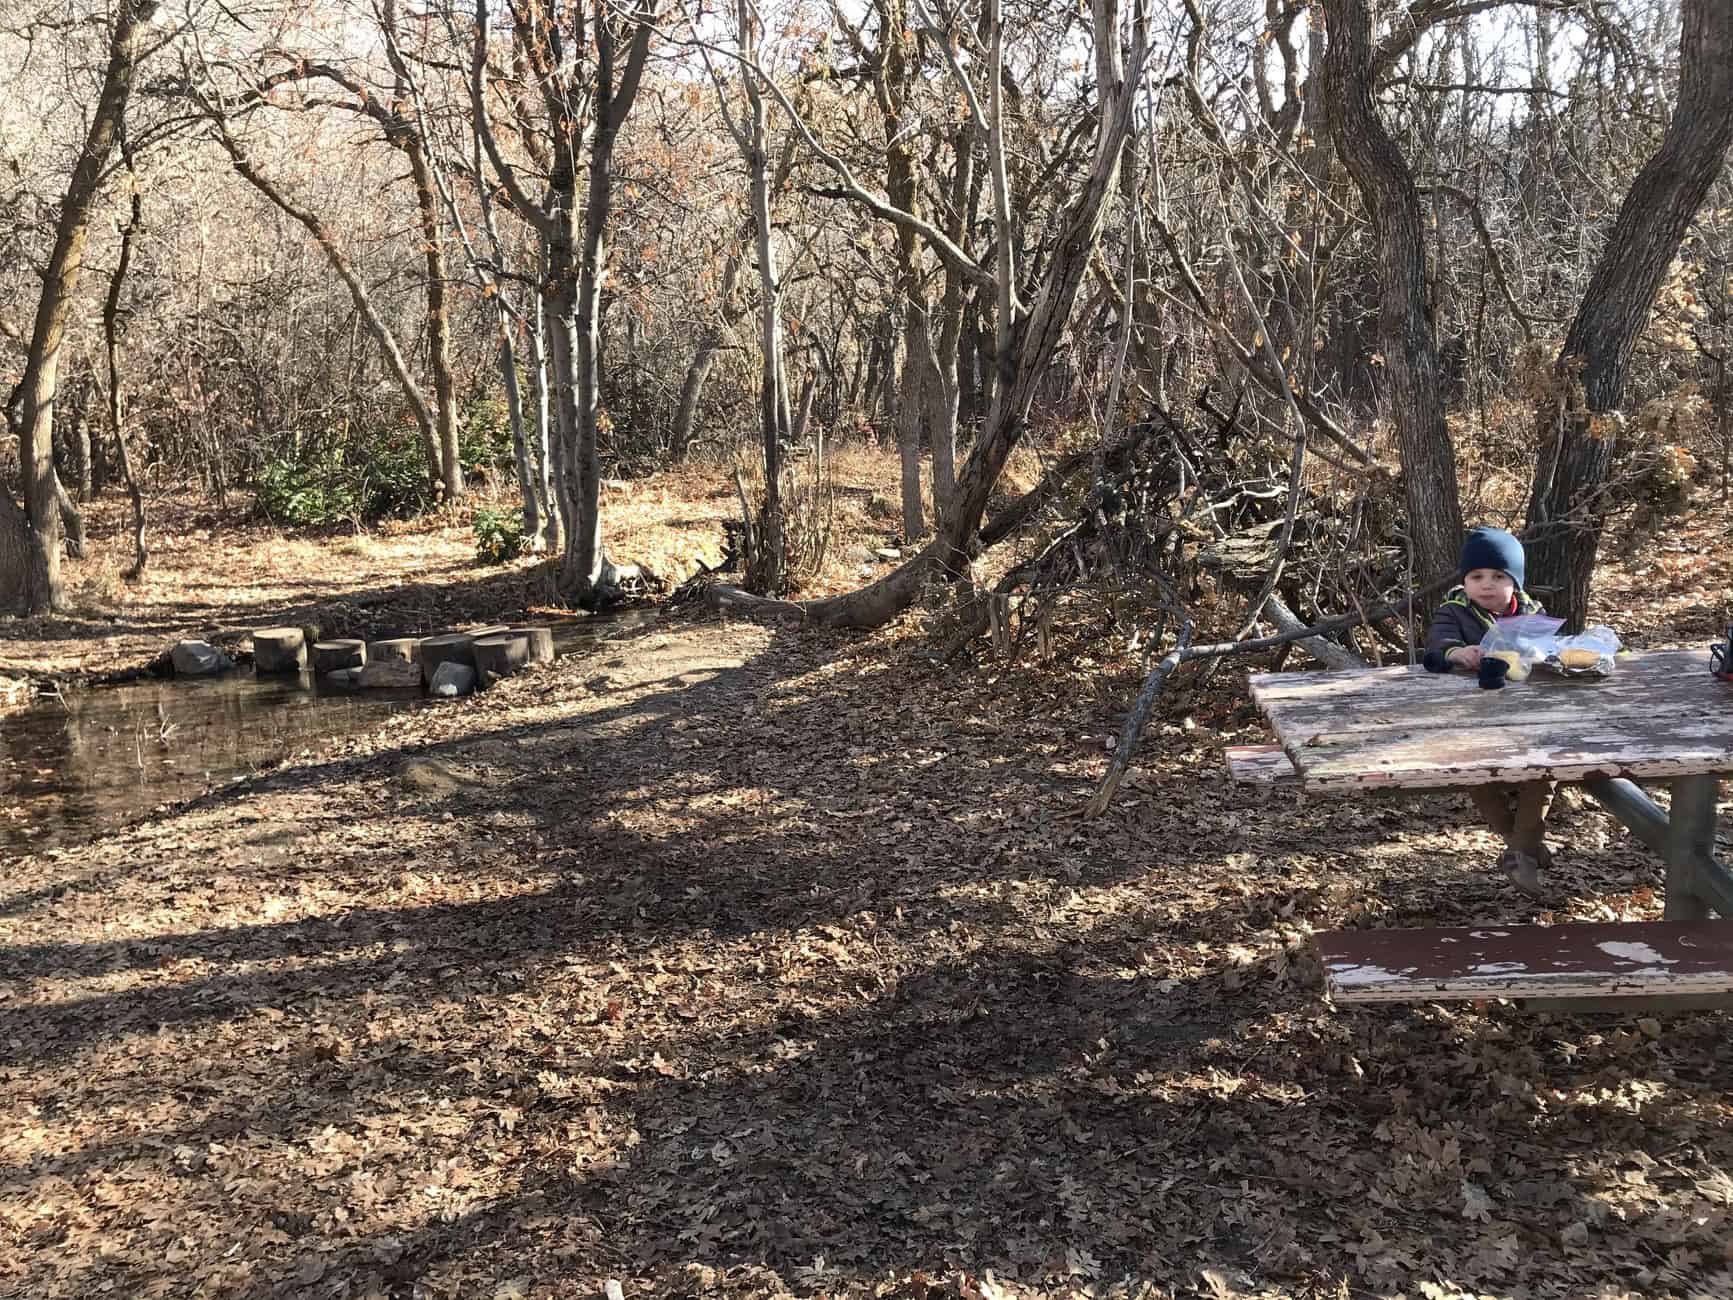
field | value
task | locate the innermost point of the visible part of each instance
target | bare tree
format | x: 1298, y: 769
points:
x: 1405, y: 330
x: 30, y: 535
x: 1027, y: 328
x: 111, y: 350
x: 767, y: 559
x: 588, y: 61
x: 1566, y: 510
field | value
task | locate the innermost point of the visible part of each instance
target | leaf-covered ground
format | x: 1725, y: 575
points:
x: 738, y: 963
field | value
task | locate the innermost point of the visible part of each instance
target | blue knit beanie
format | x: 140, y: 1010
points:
x: 1493, y: 548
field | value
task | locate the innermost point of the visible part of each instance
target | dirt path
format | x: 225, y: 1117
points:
x: 727, y: 962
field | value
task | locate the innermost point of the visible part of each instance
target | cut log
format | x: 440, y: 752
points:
x: 402, y: 649
x: 446, y: 648
x: 379, y: 674
x: 541, y: 643
x: 279, y: 650
x: 501, y: 654
x: 330, y: 656
x: 1611, y: 963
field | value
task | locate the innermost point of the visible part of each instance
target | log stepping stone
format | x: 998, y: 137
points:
x: 541, y: 643
x: 333, y: 656
x: 279, y: 650
x: 504, y: 653
x: 446, y: 648
x: 388, y: 673
x: 405, y: 649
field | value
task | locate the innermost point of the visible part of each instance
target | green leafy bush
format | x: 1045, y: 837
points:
x: 383, y: 474
x: 484, y: 436
x: 499, y: 536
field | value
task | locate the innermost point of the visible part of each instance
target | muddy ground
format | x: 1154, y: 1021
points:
x: 737, y: 962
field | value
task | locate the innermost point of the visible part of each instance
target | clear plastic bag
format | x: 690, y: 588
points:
x: 1592, y: 652
x: 1528, y: 641
x: 1522, y: 642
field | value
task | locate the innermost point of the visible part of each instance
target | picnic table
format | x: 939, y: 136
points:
x: 1660, y: 717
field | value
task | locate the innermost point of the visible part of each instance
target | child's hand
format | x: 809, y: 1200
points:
x: 1466, y: 656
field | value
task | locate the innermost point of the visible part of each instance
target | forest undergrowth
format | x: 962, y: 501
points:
x: 739, y: 962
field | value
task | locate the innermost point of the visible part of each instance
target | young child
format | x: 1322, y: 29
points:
x: 1492, y: 568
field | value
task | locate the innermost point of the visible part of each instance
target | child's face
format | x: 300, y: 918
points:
x: 1491, y: 589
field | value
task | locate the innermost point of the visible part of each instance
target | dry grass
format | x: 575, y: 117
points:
x: 214, y: 569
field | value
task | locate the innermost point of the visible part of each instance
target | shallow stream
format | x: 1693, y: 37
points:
x: 86, y: 761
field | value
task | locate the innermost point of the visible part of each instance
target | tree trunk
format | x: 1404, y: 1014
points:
x: 767, y: 573
x: 1414, y: 381
x: 71, y: 521
x: 911, y: 401
x: 553, y: 504
x: 586, y: 563
x: 30, y: 538
x: 1565, y: 510
x: 697, y: 373
x: 896, y: 70
x: 709, y: 348
x: 1028, y: 334
x: 447, y: 468
x: 586, y: 574
x: 77, y: 450
x: 528, y: 475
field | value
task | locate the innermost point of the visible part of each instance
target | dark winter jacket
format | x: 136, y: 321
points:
x: 1459, y: 621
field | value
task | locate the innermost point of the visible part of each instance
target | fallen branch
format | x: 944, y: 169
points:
x: 1184, y: 652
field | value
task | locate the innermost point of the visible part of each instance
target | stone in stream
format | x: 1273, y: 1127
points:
x: 376, y: 673
x: 451, y: 679
x: 198, y: 659
x: 279, y: 650
x: 329, y: 656
x: 343, y: 677
x: 446, y: 648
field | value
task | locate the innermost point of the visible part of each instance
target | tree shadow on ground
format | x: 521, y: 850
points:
x: 787, y: 973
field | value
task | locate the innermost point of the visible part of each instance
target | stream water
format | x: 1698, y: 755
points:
x: 74, y: 765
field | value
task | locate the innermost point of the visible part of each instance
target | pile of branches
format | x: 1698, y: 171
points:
x: 1171, y: 513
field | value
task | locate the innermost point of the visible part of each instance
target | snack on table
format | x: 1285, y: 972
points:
x: 1518, y: 668
x: 1590, y: 653
x: 1521, y: 641
x: 1525, y: 640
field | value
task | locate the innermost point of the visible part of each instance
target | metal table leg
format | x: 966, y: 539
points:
x: 1696, y: 883
x: 1642, y: 816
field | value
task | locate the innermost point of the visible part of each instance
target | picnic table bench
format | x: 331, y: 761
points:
x: 1661, y: 716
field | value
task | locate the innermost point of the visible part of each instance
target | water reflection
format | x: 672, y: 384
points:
x: 73, y: 765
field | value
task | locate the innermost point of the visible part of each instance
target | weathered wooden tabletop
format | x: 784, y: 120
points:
x: 1660, y: 714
